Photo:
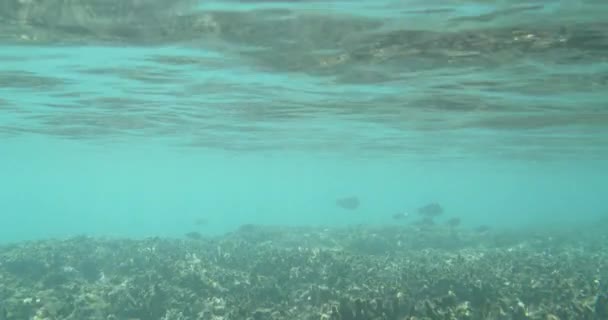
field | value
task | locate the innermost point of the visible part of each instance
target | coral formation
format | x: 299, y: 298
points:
x: 272, y: 273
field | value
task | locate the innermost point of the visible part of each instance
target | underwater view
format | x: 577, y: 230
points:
x: 303, y: 160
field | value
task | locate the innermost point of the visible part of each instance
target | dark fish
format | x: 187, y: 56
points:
x: 201, y: 222
x: 349, y: 203
x: 482, y: 229
x: 424, y: 222
x: 248, y: 227
x: 431, y: 210
x: 194, y: 235
x: 401, y: 215
x: 453, y: 222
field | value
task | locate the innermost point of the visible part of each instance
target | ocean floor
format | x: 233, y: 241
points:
x: 264, y: 273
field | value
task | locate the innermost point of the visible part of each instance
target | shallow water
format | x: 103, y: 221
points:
x: 138, y: 119
x: 268, y: 160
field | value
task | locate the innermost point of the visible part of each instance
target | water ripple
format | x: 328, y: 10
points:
x: 526, y: 79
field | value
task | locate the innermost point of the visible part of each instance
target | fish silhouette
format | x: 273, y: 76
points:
x: 482, y: 229
x: 453, y: 222
x: 431, y: 210
x: 401, y: 215
x: 349, y: 203
x: 194, y: 235
x: 201, y: 222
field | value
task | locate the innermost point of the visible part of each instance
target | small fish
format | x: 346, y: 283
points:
x: 200, y: 222
x: 401, y: 215
x: 194, y: 235
x: 247, y: 227
x: 482, y: 229
x: 424, y: 222
x: 431, y: 210
x: 453, y: 222
x: 348, y: 203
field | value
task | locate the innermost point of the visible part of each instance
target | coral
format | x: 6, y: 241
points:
x: 275, y: 273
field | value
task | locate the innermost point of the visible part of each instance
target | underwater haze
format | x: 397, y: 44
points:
x: 130, y: 118
x: 150, y: 119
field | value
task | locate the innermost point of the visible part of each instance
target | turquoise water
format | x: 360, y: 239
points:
x: 270, y: 111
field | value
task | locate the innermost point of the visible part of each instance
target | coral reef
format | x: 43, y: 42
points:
x: 272, y: 273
